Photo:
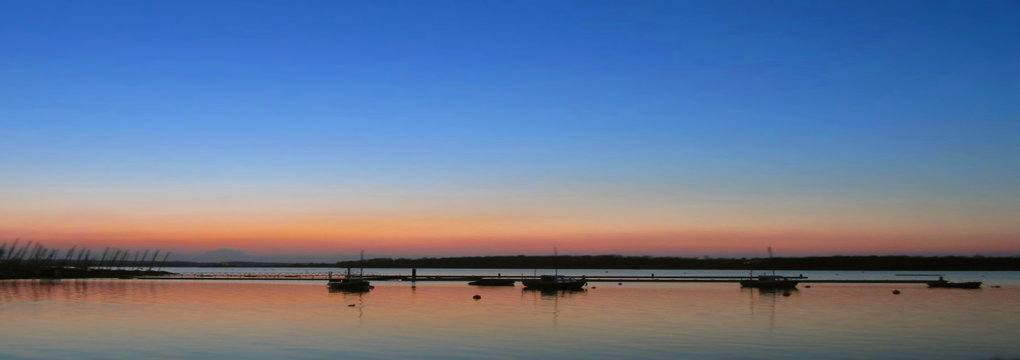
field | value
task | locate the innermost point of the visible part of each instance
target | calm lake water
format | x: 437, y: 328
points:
x: 169, y: 319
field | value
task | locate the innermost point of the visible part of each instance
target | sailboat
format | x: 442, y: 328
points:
x: 555, y: 281
x: 349, y: 283
x: 765, y: 281
x: 943, y: 283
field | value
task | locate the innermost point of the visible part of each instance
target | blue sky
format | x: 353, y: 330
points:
x: 827, y: 115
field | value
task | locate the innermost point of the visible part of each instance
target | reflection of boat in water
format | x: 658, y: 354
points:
x: 770, y: 282
x: 942, y: 283
x: 555, y: 292
x: 555, y: 282
x: 350, y: 283
x: 492, y: 282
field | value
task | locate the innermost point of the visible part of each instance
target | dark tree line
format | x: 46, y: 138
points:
x: 649, y: 262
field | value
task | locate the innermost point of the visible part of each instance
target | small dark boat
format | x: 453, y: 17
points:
x: 555, y: 282
x: 492, y: 282
x: 350, y: 284
x: 942, y: 283
x: 770, y: 282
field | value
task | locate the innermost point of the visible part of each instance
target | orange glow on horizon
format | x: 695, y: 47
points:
x: 462, y: 232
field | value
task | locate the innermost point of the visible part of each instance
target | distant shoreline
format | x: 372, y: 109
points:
x: 844, y: 263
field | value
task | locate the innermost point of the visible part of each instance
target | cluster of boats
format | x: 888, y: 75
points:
x: 351, y: 283
x: 357, y: 283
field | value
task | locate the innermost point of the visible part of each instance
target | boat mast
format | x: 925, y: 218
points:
x: 773, y: 266
x: 362, y: 271
x: 556, y: 271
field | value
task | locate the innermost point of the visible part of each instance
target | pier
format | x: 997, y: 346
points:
x: 597, y: 278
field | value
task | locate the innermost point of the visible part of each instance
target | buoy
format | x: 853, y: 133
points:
x: 594, y: 287
x: 476, y: 297
x: 996, y: 286
x: 351, y: 305
x: 896, y: 292
x: 807, y: 286
x: 619, y: 283
x: 786, y: 293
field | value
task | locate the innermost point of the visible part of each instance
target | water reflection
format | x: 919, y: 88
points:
x: 74, y: 290
x: 128, y: 319
x: 777, y: 292
x: 349, y: 291
x: 549, y: 293
x: 767, y: 298
x: 355, y: 300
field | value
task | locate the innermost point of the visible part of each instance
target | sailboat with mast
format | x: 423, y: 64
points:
x: 765, y: 281
x: 555, y: 281
x: 351, y: 283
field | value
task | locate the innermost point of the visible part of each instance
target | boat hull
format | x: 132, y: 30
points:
x: 544, y: 285
x: 955, y: 285
x: 350, y: 285
x: 769, y: 284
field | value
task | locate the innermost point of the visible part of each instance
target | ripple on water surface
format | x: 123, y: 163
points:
x: 129, y: 319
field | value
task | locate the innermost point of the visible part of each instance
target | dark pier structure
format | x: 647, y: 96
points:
x: 414, y: 276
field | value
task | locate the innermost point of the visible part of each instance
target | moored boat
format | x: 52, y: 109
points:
x: 351, y: 283
x: 942, y: 283
x: 770, y: 282
x: 773, y: 281
x: 555, y: 282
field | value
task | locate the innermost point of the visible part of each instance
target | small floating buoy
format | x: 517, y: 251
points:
x: 896, y: 292
x: 996, y: 286
x: 594, y: 287
x: 476, y: 297
x: 786, y: 293
x: 619, y: 283
x: 807, y: 286
x: 351, y: 305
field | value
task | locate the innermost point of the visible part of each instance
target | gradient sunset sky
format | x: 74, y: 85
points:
x: 314, y: 129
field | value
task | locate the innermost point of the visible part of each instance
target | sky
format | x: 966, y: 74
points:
x: 314, y: 129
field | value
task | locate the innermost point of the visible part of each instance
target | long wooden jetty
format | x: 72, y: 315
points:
x: 597, y: 278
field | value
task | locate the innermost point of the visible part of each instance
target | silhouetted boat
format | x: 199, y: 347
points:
x: 942, y: 283
x: 492, y: 282
x: 349, y: 282
x: 555, y: 282
x: 770, y: 282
